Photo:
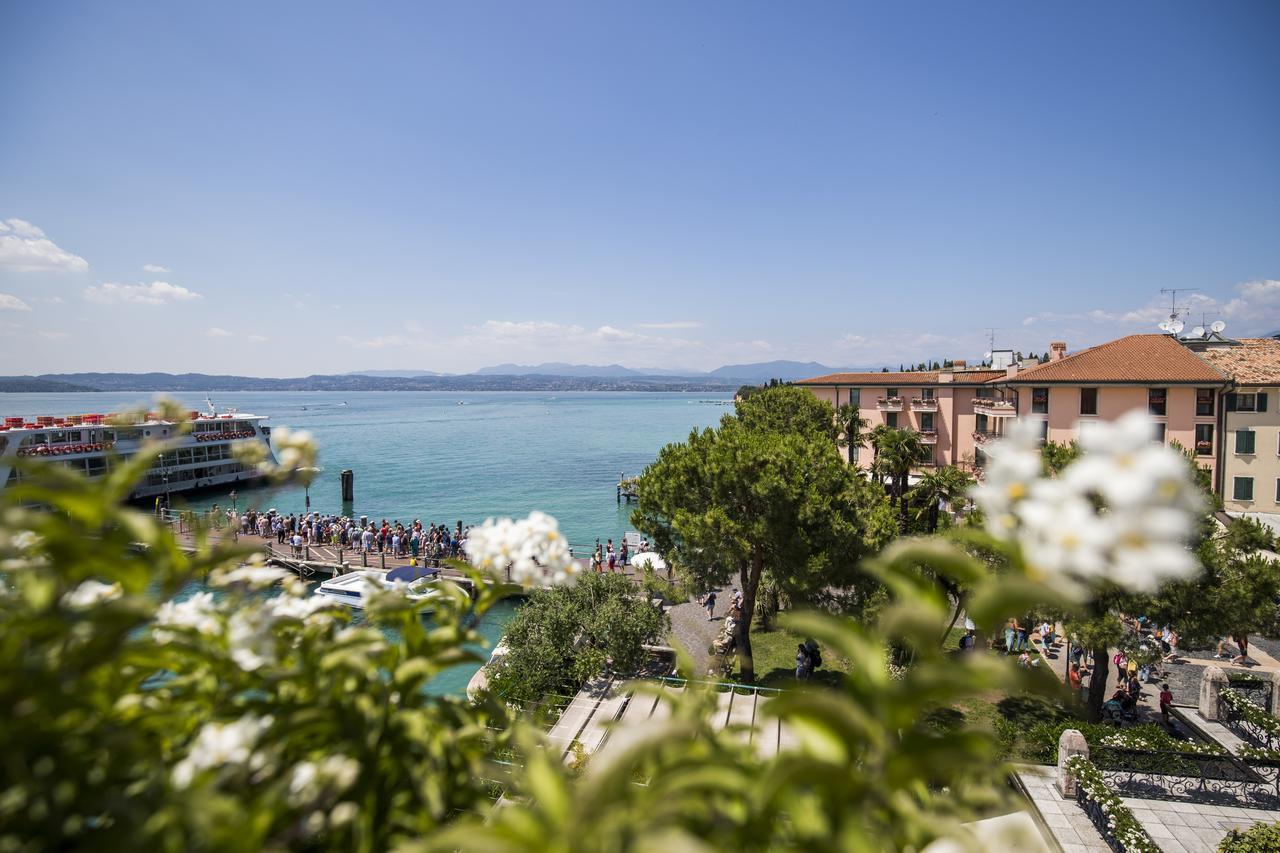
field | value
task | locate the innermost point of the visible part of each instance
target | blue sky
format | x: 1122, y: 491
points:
x: 329, y: 187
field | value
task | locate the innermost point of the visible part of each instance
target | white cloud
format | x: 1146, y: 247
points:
x: 9, y: 302
x: 1254, y: 309
x: 671, y: 324
x: 154, y: 268
x: 25, y: 248
x: 258, y: 339
x: 156, y: 293
x: 216, y: 332
x: 54, y: 336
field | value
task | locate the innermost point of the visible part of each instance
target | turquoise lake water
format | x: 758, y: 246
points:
x: 422, y: 455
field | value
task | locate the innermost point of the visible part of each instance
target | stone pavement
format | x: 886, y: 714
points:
x: 690, y: 628
x: 1182, y: 827
x: 1066, y: 821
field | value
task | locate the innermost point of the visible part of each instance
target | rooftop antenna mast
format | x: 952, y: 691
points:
x: 1173, y: 299
x: 991, y: 342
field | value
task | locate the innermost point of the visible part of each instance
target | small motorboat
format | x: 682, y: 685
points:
x: 351, y: 589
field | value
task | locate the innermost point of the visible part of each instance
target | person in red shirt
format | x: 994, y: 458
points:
x: 1166, y: 700
x: 1073, y: 678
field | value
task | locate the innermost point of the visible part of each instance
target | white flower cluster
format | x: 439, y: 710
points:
x: 532, y: 549
x: 295, y: 450
x: 89, y: 594
x: 1123, y: 511
x: 1121, y: 823
x: 252, y: 575
x: 251, y: 630
x: 1140, y: 740
x: 311, y: 781
x: 219, y: 745
x: 198, y: 613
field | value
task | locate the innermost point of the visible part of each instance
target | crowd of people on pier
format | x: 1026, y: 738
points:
x: 392, y: 538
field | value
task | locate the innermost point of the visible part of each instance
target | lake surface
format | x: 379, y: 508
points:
x: 422, y: 455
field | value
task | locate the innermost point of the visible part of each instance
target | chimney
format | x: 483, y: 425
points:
x: 960, y: 362
x: 1011, y: 371
x: 1057, y: 350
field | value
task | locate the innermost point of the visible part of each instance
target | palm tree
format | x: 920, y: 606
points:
x: 897, y: 452
x: 935, y: 488
x: 851, y: 428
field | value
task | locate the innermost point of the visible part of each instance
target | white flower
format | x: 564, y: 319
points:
x: 90, y: 593
x: 533, y: 550
x: 252, y: 576
x: 297, y: 606
x: 197, y: 613
x: 1122, y: 511
x: 25, y: 540
x: 250, y: 637
x: 343, y: 812
x: 332, y: 776
x: 218, y: 745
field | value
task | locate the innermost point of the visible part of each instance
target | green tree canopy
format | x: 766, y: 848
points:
x: 765, y: 492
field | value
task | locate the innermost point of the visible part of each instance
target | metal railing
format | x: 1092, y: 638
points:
x: 1168, y: 775
x: 1256, y: 690
x: 1243, y: 727
x: 1101, y: 822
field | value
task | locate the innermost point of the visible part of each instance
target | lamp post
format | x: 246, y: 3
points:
x: 233, y: 500
x: 164, y: 476
x: 308, y: 474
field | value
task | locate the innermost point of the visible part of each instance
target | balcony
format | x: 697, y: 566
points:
x: 924, y: 404
x: 889, y: 404
x: 984, y: 438
x: 994, y: 408
x: 1204, y: 448
x: 928, y: 436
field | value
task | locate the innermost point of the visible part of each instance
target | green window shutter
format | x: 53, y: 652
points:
x: 1262, y: 402
x: 1243, y: 489
x: 1231, y: 402
x: 1244, y: 441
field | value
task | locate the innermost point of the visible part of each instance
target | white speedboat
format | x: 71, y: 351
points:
x: 351, y: 589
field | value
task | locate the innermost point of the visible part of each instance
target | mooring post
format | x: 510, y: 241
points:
x: 383, y: 556
x: 364, y: 559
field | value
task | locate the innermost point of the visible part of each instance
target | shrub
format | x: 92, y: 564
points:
x: 1261, y: 838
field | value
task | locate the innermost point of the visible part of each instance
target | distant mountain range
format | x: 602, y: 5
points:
x: 552, y: 376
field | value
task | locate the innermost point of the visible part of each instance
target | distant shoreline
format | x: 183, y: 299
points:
x: 201, y: 383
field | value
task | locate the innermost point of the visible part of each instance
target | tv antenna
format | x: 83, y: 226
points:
x: 991, y: 341
x: 1173, y: 300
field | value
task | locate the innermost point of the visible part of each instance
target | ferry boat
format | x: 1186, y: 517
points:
x: 89, y: 444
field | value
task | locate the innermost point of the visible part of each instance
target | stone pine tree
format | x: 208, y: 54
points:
x: 765, y: 494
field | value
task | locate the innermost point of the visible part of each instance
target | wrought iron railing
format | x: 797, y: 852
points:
x: 1099, y: 817
x: 1166, y: 775
x: 1256, y: 690
x: 1245, y: 728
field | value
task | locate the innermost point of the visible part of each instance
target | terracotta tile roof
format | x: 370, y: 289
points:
x: 1140, y: 359
x: 895, y: 379
x: 1255, y: 362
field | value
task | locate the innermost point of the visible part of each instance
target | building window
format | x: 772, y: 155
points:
x: 926, y: 454
x: 1245, y: 442
x: 1204, y: 439
x: 1088, y: 401
x: 1204, y: 402
x: 1242, y: 489
x: 1278, y: 491
x: 926, y: 393
x: 1044, y: 432
x: 855, y: 397
x: 1040, y: 401
x: 980, y: 424
x: 926, y: 421
x: 891, y: 392
x: 1159, y: 433
x: 1156, y: 401
x: 983, y: 392
x: 891, y: 420
x: 1246, y: 402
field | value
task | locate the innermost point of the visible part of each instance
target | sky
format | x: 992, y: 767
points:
x: 289, y: 188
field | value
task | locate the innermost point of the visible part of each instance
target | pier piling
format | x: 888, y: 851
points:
x: 348, y: 485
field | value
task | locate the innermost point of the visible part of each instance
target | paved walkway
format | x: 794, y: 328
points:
x: 690, y: 628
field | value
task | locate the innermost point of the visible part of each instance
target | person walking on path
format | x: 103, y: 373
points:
x: 709, y: 602
x: 1242, y: 643
x: 804, y: 663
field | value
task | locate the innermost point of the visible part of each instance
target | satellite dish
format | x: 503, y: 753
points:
x: 1197, y: 332
x: 1165, y: 326
x: 1176, y: 326
x: 986, y: 355
x: 1217, y: 325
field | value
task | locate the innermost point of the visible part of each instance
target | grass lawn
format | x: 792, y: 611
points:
x: 774, y: 652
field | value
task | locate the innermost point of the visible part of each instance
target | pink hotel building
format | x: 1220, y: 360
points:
x: 958, y: 411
